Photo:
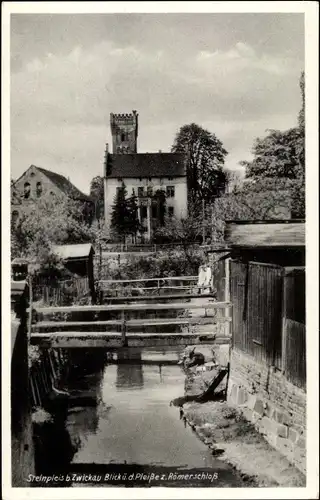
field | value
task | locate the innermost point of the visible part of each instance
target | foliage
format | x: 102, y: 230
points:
x: 281, y: 156
x: 255, y: 200
x: 163, y: 264
x: 184, y: 231
x: 124, y: 217
x: 205, y: 159
x: 97, y: 194
x: 275, y: 155
x: 50, y: 221
x: 159, y: 201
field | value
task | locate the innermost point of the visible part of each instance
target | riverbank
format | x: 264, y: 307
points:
x: 225, y: 431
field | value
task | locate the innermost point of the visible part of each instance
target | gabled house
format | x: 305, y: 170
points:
x: 37, y: 182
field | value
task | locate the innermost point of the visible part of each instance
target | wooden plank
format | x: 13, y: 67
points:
x: 200, y: 320
x: 157, y: 297
x: 114, y: 340
x: 142, y: 280
x: 191, y: 287
x: 131, y: 307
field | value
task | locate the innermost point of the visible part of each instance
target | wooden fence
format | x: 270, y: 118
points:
x: 55, y: 292
x: 269, y: 315
x: 294, y: 329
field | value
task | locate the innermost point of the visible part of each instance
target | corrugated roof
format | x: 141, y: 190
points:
x: 76, y: 251
x: 64, y: 184
x: 265, y: 234
x: 146, y: 165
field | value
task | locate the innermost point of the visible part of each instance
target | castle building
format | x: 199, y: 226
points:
x: 143, y: 174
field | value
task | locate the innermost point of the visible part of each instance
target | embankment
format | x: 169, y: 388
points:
x: 233, y: 439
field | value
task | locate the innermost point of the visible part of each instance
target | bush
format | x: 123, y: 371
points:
x: 162, y: 265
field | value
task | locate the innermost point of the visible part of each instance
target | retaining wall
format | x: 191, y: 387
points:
x: 276, y: 407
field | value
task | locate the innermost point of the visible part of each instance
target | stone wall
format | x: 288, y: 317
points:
x: 22, y: 450
x: 276, y: 407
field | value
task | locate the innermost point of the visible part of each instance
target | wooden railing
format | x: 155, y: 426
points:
x: 96, y: 330
x: 110, y: 288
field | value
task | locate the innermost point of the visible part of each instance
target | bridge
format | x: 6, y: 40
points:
x: 196, y: 316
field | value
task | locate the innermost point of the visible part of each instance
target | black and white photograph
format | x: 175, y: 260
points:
x: 157, y: 262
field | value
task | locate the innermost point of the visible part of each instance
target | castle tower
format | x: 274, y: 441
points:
x: 124, y: 129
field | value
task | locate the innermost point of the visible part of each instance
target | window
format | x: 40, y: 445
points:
x: 149, y: 191
x: 140, y: 191
x: 143, y: 212
x: 124, y: 136
x: 39, y: 189
x: 170, y: 178
x: 26, y: 190
x: 170, y: 191
x: 154, y: 212
x: 119, y: 179
x: 133, y: 192
x: 14, y: 216
x: 170, y: 211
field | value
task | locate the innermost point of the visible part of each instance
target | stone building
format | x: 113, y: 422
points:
x: 144, y: 174
x: 36, y: 183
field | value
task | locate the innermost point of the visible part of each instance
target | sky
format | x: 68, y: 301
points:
x: 236, y: 75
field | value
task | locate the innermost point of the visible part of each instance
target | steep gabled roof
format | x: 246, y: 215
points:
x: 146, y: 165
x: 61, y: 182
x: 64, y: 185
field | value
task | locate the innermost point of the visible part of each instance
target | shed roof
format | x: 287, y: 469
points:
x: 146, y: 165
x: 265, y: 234
x: 75, y: 251
x: 18, y: 288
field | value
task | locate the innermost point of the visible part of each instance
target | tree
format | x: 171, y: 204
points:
x: 186, y: 231
x: 51, y: 221
x: 275, y: 155
x: 121, y: 217
x: 205, y: 159
x: 159, y: 201
x: 281, y: 156
x: 97, y: 194
x: 134, y: 223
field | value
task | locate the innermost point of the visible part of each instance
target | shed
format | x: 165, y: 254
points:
x: 279, y: 242
x: 78, y: 259
x: 19, y: 269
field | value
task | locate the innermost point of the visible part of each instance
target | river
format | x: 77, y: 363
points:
x: 120, y: 416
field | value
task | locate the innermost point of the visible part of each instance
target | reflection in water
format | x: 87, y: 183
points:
x: 134, y: 423
x: 129, y: 369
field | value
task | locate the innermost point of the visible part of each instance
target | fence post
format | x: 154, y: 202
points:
x: 30, y: 306
x: 123, y: 330
x: 284, y: 321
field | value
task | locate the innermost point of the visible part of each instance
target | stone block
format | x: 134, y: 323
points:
x: 259, y: 407
x: 242, y: 396
x: 281, y: 417
x: 292, y: 435
x: 269, y: 426
x: 269, y: 411
x: 282, y: 430
x: 284, y: 446
x: 234, y: 393
x: 301, y: 443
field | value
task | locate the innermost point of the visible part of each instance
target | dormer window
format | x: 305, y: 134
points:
x: 39, y: 189
x: 26, y: 190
